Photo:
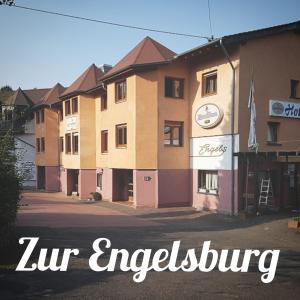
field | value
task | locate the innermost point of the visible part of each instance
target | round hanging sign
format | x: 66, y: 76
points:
x: 209, y: 115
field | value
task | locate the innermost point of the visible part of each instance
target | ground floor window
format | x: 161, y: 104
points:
x: 99, y: 181
x: 208, y: 181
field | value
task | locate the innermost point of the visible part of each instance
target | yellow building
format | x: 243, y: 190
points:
x: 47, y: 140
x: 160, y: 129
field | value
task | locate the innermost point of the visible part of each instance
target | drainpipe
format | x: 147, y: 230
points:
x: 231, y: 124
x: 58, y: 148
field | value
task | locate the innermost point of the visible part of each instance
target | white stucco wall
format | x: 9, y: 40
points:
x: 25, y: 152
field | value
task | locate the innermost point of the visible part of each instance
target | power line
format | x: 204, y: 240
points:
x: 107, y: 22
x: 209, y: 17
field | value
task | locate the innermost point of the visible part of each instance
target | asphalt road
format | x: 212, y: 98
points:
x: 61, y: 222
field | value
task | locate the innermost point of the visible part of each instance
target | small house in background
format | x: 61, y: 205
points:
x: 16, y: 115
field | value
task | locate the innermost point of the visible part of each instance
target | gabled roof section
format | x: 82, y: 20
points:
x: 19, y: 98
x: 89, y: 79
x: 148, y: 51
x: 22, y: 97
x: 53, y: 95
x: 35, y: 95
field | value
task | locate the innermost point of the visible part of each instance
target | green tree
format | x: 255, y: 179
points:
x: 6, y: 88
x: 10, y: 188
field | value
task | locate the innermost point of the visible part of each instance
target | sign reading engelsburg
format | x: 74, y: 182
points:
x: 209, y: 115
x: 284, y: 109
x: 212, y: 153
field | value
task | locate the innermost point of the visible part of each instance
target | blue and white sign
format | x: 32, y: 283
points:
x: 284, y: 109
x: 71, y: 123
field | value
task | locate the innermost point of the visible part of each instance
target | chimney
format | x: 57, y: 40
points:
x: 105, y: 68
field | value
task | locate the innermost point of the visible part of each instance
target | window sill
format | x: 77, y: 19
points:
x: 173, y: 146
x: 208, y: 193
x: 121, y: 147
x: 174, y: 98
x: 273, y: 144
x: 120, y: 101
x: 210, y: 94
x: 104, y: 153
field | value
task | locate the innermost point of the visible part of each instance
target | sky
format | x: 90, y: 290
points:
x: 39, y: 50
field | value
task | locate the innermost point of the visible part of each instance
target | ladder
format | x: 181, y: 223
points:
x: 266, y: 192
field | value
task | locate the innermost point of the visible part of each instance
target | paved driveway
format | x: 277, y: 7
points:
x: 55, y: 210
x: 61, y: 222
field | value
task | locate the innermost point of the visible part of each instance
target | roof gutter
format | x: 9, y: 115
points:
x: 39, y: 106
x: 225, y: 52
x: 134, y: 67
x: 199, y: 48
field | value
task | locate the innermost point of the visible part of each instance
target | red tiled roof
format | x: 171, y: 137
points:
x: 53, y: 95
x: 35, y: 95
x: 18, y: 98
x: 89, y: 79
x: 23, y: 97
x: 148, y: 51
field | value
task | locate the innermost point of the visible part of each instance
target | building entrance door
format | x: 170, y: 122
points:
x: 41, y: 177
x: 123, y: 185
x: 72, y: 181
x: 292, y: 185
x: 130, y: 185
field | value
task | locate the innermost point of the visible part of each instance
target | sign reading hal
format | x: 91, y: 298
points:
x: 284, y: 109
